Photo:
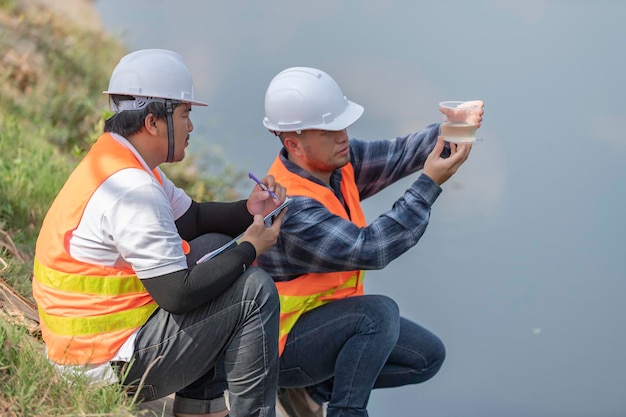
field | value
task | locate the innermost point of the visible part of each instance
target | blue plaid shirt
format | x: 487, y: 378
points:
x: 312, y: 239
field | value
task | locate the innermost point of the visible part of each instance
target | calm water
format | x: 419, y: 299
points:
x: 522, y: 269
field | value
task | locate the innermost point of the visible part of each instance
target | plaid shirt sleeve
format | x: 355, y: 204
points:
x: 312, y: 239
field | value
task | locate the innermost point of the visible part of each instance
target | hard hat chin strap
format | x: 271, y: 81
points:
x: 169, y: 109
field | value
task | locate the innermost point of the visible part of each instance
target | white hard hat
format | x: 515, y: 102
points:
x: 152, y: 74
x: 301, y: 98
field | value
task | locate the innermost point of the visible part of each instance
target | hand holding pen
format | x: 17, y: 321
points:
x: 259, y: 202
x: 263, y: 186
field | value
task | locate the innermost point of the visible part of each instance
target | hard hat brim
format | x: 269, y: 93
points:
x: 352, y: 113
x: 192, y: 102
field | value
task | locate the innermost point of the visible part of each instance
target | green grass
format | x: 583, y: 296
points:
x: 31, y: 171
x: 32, y: 387
x: 51, y: 111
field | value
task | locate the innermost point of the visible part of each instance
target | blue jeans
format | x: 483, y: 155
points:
x: 229, y: 343
x: 344, y: 349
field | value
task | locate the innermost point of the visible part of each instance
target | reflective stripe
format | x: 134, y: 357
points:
x: 297, y: 306
x: 80, y: 326
x: 86, y: 284
x: 290, y: 303
x: 294, y: 306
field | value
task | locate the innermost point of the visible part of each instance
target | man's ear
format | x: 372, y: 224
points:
x: 292, y: 145
x: 150, y: 123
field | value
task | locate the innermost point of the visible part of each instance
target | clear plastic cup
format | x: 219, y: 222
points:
x: 459, y: 121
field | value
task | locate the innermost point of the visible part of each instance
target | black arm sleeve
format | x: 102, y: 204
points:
x: 185, y: 290
x: 231, y: 219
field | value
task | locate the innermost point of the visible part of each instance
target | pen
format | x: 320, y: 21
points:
x: 263, y: 186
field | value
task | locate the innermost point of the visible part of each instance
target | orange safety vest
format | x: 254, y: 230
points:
x: 86, y: 311
x: 312, y: 290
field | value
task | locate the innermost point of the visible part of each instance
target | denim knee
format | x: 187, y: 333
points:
x: 384, y: 310
x: 426, y: 349
x: 435, y: 359
x: 260, y: 287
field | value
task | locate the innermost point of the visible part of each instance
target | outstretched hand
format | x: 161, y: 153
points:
x: 441, y: 169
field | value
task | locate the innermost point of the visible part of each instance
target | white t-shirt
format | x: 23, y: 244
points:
x: 129, y: 221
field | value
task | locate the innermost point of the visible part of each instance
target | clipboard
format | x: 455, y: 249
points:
x: 269, y: 219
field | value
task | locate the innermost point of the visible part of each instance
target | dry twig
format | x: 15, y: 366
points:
x: 8, y: 244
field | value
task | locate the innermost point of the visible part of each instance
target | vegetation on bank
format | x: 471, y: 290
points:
x: 52, y: 109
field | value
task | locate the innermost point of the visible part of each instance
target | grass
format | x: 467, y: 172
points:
x: 32, y: 387
x: 31, y: 171
x: 51, y: 111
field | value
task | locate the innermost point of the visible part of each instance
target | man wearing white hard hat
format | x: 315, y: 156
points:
x: 336, y: 343
x: 119, y: 292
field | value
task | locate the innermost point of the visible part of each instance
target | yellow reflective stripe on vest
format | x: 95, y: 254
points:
x: 85, y: 284
x: 290, y: 303
x: 79, y: 326
x: 293, y: 306
x: 288, y: 320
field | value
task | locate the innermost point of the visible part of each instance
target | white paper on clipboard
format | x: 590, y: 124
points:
x: 268, y: 222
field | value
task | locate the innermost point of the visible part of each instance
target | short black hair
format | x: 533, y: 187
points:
x: 129, y: 122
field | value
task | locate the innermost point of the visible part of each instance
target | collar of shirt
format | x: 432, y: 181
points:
x: 335, y: 177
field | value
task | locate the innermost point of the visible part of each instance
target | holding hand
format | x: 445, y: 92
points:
x: 261, y: 237
x: 261, y: 201
x: 440, y: 169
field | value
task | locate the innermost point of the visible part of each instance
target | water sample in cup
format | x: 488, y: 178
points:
x: 459, y: 121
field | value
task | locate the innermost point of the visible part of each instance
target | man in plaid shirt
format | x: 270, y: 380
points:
x: 337, y: 344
